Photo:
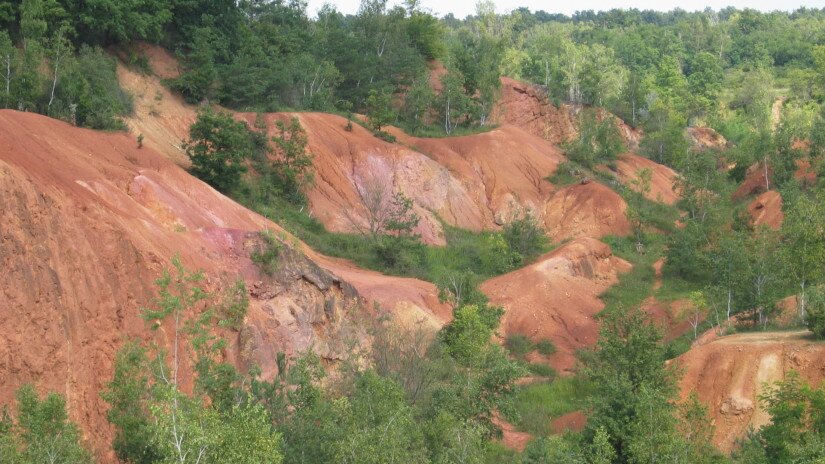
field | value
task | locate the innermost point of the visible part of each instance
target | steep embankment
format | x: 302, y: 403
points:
x: 476, y: 182
x: 160, y: 115
x: 527, y: 106
x: 730, y: 373
x: 556, y: 297
x: 662, y: 179
x: 766, y: 209
x: 88, y: 221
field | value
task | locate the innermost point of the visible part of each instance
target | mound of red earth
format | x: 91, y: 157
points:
x: 89, y: 220
x: 757, y: 180
x: 766, y: 209
x: 662, y: 179
x: 705, y: 138
x: 557, y: 297
x: 528, y: 107
x: 585, y: 210
x: 729, y: 374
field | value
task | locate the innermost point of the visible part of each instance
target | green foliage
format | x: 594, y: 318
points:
x: 196, y: 82
x: 541, y: 370
x: 218, y: 146
x: 545, y: 347
x: 426, y: 34
x: 378, y: 426
x: 418, y: 101
x: 232, y: 310
x: 291, y: 170
x: 41, y: 431
x: 599, y: 140
x: 524, y: 238
x: 815, y: 311
x: 518, y: 345
x: 155, y: 421
x: 537, y: 404
x: 632, y: 388
x: 380, y: 111
x: 637, y: 284
x: 469, y: 332
x: 266, y: 255
x: 553, y: 449
x: 128, y: 395
x: 796, y: 427
x: 109, y: 21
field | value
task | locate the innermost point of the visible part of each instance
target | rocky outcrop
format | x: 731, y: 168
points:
x: 527, y: 106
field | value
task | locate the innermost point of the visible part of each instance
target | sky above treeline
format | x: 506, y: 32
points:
x: 462, y: 8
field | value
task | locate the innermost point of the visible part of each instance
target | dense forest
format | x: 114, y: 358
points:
x: 659, y: 72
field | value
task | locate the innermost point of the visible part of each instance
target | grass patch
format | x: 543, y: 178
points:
x: 518, y: 345
x: 536, y: 405
x: 266, y: 256
x: 546, y: 347
x: 541, y: 370
x: 637, y: 284
x: 437, y: 131
x: 568, y: 173
x: 482, y: 255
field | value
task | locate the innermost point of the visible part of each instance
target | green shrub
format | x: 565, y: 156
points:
x: 266, y: 256
x: 89, y: 95
x: 567, y: 173
x: 815, y: 317
x: 518, y: 345
x: 536, y: 405
x: 546, y: 347
x: 218, y: 146
x: 385, y: 136
x: 599, y: 140
x: 234, y: 306
x: 541, y: 370
x: 524, y: 237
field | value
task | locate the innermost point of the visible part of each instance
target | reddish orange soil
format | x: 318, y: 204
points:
x: 766, y: 209
x: 161, y: 116
x: 662, y: 180
x: 504, y: 170
x: 475, y: 182
x: 526, y: 106
x: 754, y: 183
x: 89, y: 221
x: 510, y: 436
x: 805, y: 173
x: 556, y: 297
x: 585, y: 210
x: 729, y: 373
x: 572, y: 421
x: 704, y: 138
